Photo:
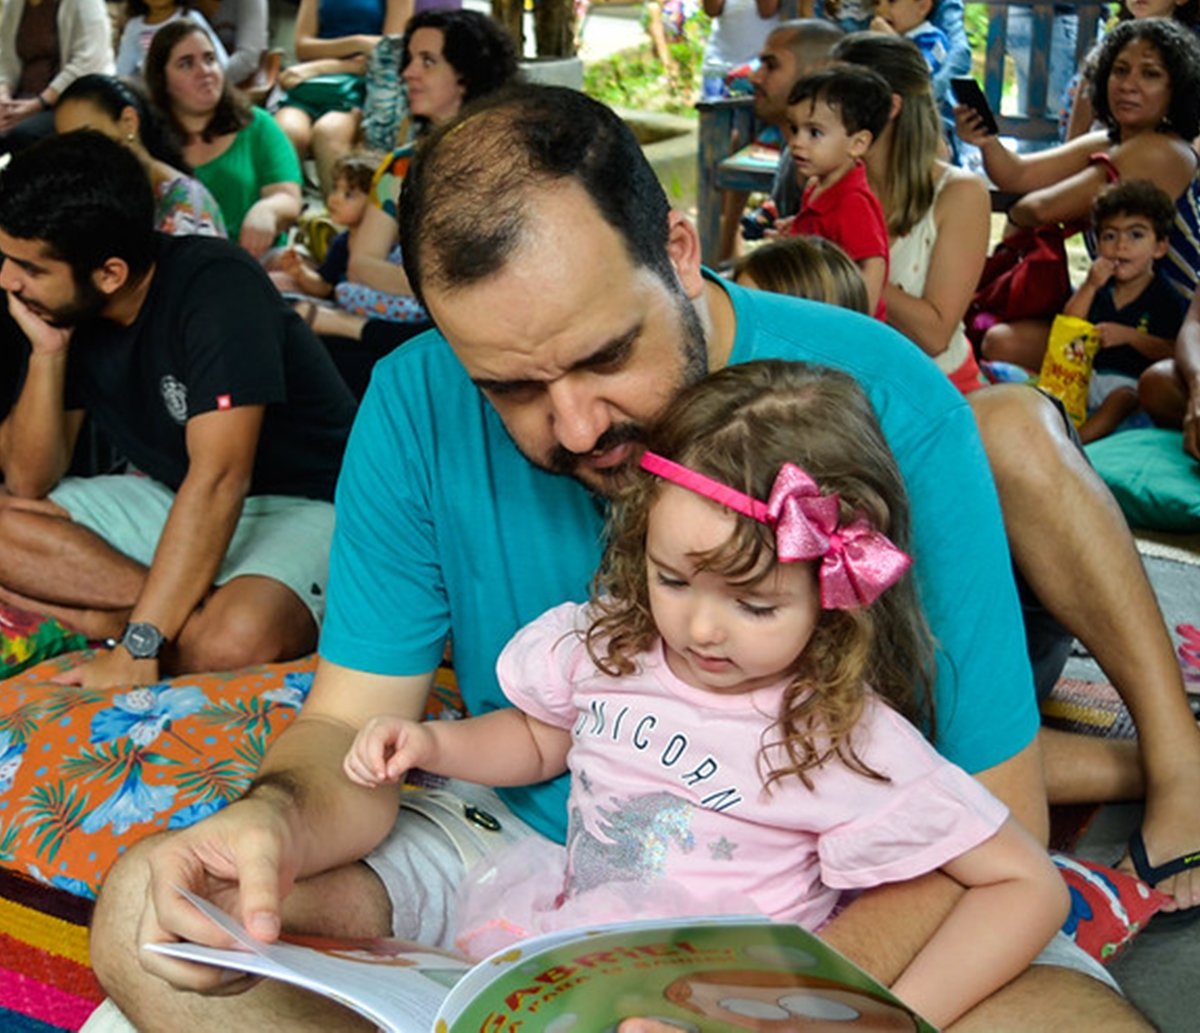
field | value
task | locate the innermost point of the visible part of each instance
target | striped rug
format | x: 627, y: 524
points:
x: 46, y: 983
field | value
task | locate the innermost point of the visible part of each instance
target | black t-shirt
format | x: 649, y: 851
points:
x: 1158, y: 311
x: 213, y: 333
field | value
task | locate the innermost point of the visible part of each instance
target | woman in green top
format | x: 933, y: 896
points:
x: 237, y: 151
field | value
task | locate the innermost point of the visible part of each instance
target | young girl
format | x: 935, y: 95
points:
x: 805, y: 267
x: 734, y: 704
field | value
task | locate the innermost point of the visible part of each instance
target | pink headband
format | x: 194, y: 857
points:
x: 857, y: 562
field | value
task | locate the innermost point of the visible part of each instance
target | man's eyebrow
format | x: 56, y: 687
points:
x: 612, y: 353
x: 29, y: 267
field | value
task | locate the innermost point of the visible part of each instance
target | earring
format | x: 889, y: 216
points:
x: 129, y: 137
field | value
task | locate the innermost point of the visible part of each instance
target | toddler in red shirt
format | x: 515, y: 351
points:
x: 834, y: 115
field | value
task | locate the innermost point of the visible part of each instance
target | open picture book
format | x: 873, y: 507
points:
x: 705, y: 975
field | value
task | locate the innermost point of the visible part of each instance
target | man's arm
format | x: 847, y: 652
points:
x: 301, y: 816
x: 221, y: 448
x: 38, y: 435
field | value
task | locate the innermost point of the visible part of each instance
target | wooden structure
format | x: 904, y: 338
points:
x: 728, y: 126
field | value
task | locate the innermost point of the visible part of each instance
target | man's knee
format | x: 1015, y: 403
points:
x: 114, y: 927
x: 248, y: 624
x: 1023, y: 434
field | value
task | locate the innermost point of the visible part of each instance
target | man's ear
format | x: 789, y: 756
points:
x: 683, y: 248
x: 111, y: 276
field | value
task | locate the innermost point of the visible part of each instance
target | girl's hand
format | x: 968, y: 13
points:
x: 259, y: 229
x: 969, y: 126
x: 1101, y: 272
x: 879, y: 25
x: 385, y: 749
x: 1112, y: 334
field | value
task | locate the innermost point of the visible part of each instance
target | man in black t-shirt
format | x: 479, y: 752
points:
x: 228, y: 409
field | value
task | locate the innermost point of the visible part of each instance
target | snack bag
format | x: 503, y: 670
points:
x: 1067, y: 367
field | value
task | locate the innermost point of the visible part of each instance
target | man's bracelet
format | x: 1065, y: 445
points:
x: 45, y: 104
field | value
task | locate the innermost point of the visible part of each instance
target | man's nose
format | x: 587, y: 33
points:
x: 579, y: 417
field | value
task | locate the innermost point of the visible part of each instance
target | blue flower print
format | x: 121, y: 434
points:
x: 11, y: 755
x: 144, y: 713
x: 132, y: 804
x: 294, y: 691
x: 191, y: 814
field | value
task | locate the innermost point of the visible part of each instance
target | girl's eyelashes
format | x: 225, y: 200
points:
x: 667, y: 581
x: 757, y: 609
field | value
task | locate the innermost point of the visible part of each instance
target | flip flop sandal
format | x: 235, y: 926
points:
x: 1153, y: 874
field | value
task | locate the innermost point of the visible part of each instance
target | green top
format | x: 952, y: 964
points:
x: 261, y: 154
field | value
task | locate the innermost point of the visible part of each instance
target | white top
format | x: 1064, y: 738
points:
x: 84, y: 41
x: 909, y: 268
x: 738, y: 34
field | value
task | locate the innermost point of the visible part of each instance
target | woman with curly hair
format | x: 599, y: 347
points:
x: 1147, y: 79
x: 450, y: 57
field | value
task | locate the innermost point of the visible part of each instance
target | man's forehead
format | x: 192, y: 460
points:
x: 30, y: 249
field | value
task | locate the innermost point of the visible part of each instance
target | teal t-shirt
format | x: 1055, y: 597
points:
x: 444, y: 528
x: 261, y: 154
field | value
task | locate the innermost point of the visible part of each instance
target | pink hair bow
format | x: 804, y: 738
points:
x: 857, y: 562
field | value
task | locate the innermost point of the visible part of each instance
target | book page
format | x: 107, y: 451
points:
x: 714, y: 975
x: 397, y: 984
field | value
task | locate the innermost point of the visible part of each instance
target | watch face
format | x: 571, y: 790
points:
x: 142, y: 640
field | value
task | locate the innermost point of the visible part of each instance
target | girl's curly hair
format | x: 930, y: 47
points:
x: 739, y: 426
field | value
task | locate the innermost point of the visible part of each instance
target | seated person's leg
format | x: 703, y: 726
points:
x: 1072, y: 545
x: 1022, y: 342
x: 1162, y: 393
x: 1116, y: 407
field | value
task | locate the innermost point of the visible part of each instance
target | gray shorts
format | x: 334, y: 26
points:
x: 431, y: 847
x: 1064, y: 952
x: 434, y: 842
x: 277, y: 536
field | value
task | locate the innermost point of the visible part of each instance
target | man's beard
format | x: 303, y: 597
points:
x: 693, y: 352
x: 88, y: 302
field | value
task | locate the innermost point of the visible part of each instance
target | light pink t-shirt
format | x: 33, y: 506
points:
x: 666, y: 787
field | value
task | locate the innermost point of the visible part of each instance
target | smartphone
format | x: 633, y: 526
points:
x: 968, y: 92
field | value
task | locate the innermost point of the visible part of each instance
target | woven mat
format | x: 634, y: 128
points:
x: 46, y: 983
x: 1088, y: 707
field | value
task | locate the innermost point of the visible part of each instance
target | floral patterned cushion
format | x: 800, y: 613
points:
x: 84, y: 773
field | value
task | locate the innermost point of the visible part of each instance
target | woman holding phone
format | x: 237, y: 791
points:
x: 1146, y: 82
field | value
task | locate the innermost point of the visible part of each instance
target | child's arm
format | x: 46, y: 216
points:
x: 306, y: 278
x: 1015, y: 902
x: 1080, y: 303
x: 873, y: 270
x: 1153, y: 348
x: 506, y: 747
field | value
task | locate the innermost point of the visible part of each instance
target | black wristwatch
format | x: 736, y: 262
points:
x: 142, y: 639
